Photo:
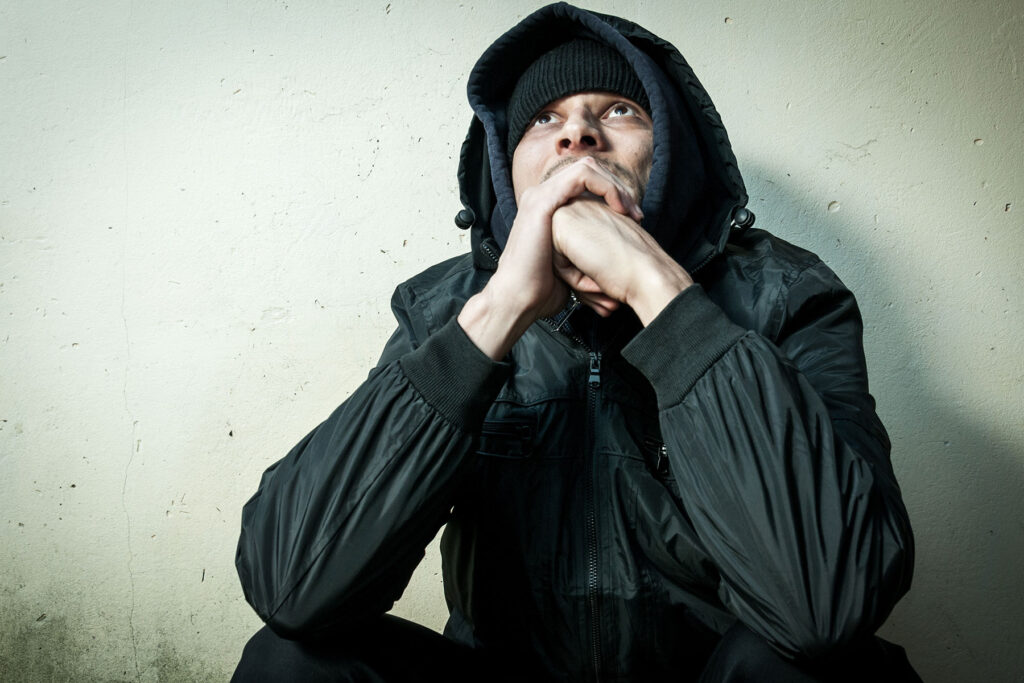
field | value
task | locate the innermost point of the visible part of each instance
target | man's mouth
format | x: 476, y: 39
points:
x: 625, y: 175
x: 568, y: 161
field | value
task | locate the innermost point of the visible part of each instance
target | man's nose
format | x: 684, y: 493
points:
x: 580, y: 133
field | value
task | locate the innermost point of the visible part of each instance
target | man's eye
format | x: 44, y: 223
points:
x: 542, y: 119
x: 622, y: 109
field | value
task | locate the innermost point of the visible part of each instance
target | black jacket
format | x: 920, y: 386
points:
x: 615, y: 497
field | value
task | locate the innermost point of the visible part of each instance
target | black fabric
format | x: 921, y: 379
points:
x: 393, y: 650
x: 450, y: 355
x: 698, y: 334
x: 576, y: 66
x: 762, y: 494
x: 742, y: 657
x: 385, y: 650
x: 626, y: 496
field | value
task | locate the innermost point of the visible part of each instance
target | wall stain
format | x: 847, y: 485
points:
x: 36, y: 647
x: 172, y: 666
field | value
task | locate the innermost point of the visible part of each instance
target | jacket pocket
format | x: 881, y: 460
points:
x: 511, y: 439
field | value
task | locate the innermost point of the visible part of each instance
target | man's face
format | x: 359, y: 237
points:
x: 615, y: 131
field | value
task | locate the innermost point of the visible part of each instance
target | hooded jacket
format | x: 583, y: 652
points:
x: 615, y: 497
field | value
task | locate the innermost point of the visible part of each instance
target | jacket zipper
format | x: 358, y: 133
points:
x: 490, y: 252
x: 593, y: 386
x: 593, y: 603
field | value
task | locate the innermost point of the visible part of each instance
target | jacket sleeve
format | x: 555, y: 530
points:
x: 338, y: 525
x: 782, y: 463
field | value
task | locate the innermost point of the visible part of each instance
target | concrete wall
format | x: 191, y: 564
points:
x: 205, y: 206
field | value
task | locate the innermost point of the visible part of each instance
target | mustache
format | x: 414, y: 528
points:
x: 613, y: 167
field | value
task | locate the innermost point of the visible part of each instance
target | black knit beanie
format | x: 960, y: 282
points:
x: 577, y: 66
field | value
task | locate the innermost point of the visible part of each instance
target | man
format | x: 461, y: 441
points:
x: 646, y: 425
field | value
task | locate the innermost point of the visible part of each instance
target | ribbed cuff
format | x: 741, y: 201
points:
x: 681, y: 344
x: 455, y: 377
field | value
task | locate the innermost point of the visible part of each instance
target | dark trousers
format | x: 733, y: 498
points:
x: 393, y: 650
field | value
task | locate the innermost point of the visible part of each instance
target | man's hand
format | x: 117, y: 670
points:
x: 607, y: 258
x: 525, y: 286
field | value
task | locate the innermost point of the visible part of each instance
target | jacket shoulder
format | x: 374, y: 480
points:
x: 760, y: 246
x: 430, y: 298
x: 757, y: 275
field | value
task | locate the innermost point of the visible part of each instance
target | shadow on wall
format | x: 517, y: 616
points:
x: 961, y: 481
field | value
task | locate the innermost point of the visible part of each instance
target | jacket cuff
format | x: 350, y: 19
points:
x: 455, y: 377
x: 681, y: 344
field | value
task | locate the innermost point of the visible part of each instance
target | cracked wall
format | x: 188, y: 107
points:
x: 204, y: 209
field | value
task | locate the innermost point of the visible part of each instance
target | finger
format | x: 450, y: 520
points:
x: 603, y: 309
x: 595, y: 180
x: 566, y: 271
x: 602, y: 304
x: 586, y: 284
x: 587, y: 177
x: 633, y: 211
x: 586, y: 288
x: 623, y: 192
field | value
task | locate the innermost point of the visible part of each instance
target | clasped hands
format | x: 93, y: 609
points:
x: 578, y: 229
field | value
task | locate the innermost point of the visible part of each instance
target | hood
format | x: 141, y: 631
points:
x: 695, y: 188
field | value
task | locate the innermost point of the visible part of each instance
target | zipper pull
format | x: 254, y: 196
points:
x: 570, y: 308
x: 663, y: 460
x: 595, y: 369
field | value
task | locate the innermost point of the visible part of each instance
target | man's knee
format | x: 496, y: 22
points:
x: 743, y: 656
x: 384, y: 649
x: 269, y: 657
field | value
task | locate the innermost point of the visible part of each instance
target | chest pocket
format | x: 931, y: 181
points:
x: 512, y: 439
x: 539, y: 432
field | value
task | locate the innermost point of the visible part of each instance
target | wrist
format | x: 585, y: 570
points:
x: 493, y: 322
x: 660, y: 283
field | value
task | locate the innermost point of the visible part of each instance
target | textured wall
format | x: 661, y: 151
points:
x: 204, y: 208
